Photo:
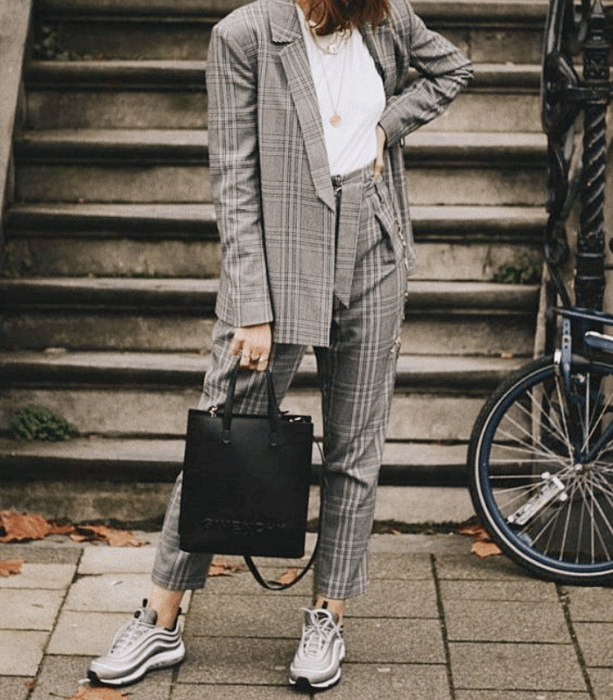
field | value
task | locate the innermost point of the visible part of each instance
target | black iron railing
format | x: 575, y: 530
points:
x: 576, y: 171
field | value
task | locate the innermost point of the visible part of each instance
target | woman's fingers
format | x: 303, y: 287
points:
x: 254, y: 345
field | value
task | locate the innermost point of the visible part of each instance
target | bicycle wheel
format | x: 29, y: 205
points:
x: 541, y: 470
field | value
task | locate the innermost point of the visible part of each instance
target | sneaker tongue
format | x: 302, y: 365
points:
x: 147, y: 615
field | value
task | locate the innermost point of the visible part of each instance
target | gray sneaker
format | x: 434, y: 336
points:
x: 317, y: 662
x: 137, y: 647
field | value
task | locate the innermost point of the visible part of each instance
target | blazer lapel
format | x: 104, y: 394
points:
x: 286, y: 30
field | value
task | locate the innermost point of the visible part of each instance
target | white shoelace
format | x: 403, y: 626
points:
x: 133, y: 631
x: 317, y: 633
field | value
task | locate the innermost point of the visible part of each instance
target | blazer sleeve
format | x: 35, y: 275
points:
x: 235, y: 182
x: 442, y: 71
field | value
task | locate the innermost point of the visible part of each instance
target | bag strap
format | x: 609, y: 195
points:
x: 273, y: 412
x: 275, y: 585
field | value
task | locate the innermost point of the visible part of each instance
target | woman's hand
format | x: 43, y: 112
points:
x: 381, y: 139
x: 254, y: 344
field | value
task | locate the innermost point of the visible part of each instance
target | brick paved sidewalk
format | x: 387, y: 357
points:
x: 437, y: 624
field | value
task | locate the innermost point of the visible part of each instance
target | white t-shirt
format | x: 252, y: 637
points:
x: 350, y: 92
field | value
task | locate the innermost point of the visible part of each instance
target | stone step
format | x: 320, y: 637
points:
x: 179, y: 370
x: 195, y: 296
x: 95, y: 146
x: 172, y: 166
x: 176, y: 315
x: 144, y: 222
x: 506, y: 185
x: 159, y: 460
x: 485, y: 31
x: 109, y: 240
x: 143, y: 395
x: 171, y: 95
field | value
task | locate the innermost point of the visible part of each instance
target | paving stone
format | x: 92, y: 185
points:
x: 89, y: 633
x: 450, y: 544
x: 602, y: 683
x: 56, y: 549
x: 391, y: 567
x: 14, y: 688
x: 233, y: 660
x: 394, y: 641
x: 41, y: 576
x: 113, y: 560
x: 232, y: 692
x: 491, y: 621
x: 596, y: 642
x: 109, y: 593
x: 21, y: 652
x: 472, y: 568
x: 587, y: 604
x: 60, y: 675
x: 414, y: 599
x: 397, y: 681
x: 520, y: 591
x: 234, y: 616
x: 29, y: 609
x: 543, y: 667
x: 519, y: 695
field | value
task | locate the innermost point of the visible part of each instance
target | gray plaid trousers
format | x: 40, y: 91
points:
x: 356, y: 375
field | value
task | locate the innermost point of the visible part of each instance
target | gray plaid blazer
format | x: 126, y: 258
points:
x: 269, y: 170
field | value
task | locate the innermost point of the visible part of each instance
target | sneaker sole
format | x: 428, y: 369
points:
x: 323, y: 685
x: 302, y: 682
x: 158, y: 662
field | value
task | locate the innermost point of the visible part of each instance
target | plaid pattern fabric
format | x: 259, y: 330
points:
x: 269, y: 169
x: 356, y: 374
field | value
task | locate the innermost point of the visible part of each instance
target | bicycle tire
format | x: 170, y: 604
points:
x: 549, y: 513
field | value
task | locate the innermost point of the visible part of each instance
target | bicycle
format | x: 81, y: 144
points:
x: 540, y: 458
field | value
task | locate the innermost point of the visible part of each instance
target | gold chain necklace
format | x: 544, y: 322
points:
x: 335, y: 119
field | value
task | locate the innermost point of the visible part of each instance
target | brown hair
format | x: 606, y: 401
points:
x: 335, y: 15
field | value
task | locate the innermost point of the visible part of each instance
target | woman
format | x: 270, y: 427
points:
x: 308, y: 106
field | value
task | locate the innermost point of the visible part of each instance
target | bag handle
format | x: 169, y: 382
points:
x: 273, y: 408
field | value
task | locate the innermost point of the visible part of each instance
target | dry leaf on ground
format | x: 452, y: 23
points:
x: 91, y: 693
x: 485, y: 549
x: 288, y: 576
x: 474, y: 530
x: 20, y: 527
x: 482, y: 546
x: 221, y: 567
x: 11, y: 567
x: 116, y: 538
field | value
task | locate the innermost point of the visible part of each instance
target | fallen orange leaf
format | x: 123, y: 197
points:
x: 474, y: 530
x: 116, y: 538
x: 92, y: 693
x: 485, y: 549
x: 288, y: 576
x: 19, y: 527
x: 30, y: 685
x: 11, y: 567
x: 482, y: 546
x: 220, y: 567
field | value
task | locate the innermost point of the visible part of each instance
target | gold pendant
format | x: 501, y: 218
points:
x: 335, y: 119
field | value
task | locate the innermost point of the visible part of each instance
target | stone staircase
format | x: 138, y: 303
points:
x: 112, y: 255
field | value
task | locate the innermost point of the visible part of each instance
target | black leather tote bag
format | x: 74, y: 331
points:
x: 246, y: 481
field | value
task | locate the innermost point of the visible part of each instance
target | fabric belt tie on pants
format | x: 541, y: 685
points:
x: 350, y: 192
